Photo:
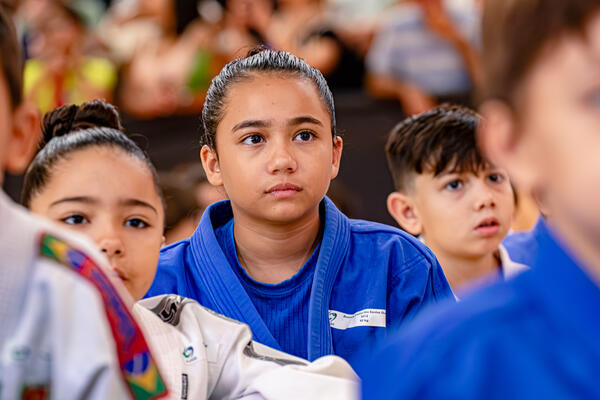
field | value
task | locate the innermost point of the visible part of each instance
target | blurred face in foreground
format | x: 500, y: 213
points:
x: 550, y: 140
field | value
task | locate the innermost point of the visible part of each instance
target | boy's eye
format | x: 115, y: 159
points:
x: 305, y: 136
x: 253, y: 139
x: 75, y: 219
x: 454, y: 185
x: 496, y: 178
x: 136, y: 223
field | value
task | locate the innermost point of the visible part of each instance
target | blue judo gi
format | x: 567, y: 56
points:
x: 535, y: 336
x: 522, y: 246
x: 368, y: 278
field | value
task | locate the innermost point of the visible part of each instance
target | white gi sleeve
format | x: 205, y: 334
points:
x: 236, y: 367
x: 84, y: 355
x: 65, y: 332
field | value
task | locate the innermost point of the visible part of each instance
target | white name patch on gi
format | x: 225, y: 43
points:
x: 366, y: 317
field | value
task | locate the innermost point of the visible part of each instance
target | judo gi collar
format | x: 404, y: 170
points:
x: 228, y: 297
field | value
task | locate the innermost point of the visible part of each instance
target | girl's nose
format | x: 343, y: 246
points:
x: 282, y: 160
x: 112, y: 246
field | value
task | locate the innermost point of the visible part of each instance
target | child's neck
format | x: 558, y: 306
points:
x: 460, y: 272
x: 273, y: 253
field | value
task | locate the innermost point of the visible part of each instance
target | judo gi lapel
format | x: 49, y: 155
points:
x: 334, y: 247
x: 219, y: 282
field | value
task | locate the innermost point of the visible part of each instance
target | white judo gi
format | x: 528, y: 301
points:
x: 204, y: 355
x: 58, y: 337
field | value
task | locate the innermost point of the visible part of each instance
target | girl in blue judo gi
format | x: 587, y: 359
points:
x: 278, y: 255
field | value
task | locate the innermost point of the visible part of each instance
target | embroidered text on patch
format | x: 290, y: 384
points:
x: 367, y: 317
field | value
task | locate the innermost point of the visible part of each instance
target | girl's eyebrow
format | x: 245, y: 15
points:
x: 75, y: 199
x: 303, y: 119
x: 251, y: 123
x: 139, y: 203
x: 89, y: 200
x: 258, y: 123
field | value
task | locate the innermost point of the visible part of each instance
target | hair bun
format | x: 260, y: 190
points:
x: 58, y: 122
x: 71, y: 118
x: 257, y: 49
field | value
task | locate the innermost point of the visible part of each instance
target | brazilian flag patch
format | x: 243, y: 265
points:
x: 137, y: 364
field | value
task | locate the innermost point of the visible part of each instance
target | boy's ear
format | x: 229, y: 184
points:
x: 501, y: 142
x: 210, y: 162
x: 25, y: 137
x: 401, y: 208
x: 338, y: 145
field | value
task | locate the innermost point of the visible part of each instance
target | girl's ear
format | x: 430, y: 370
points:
x: 25, y: 137
x: 210, y: 162
x: 338, y: 145
x: 402, y: 209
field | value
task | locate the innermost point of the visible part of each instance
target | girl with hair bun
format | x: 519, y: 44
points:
x: 90, y: 177
x: 278, y: 255
x: 90, y: 174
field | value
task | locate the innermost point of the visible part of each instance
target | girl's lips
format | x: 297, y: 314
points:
x: 120, y: 274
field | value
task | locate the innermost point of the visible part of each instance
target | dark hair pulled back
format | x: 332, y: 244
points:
x: 259, y: 60
x: 71, y: 128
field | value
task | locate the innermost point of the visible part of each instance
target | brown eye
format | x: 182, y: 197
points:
x: 75, y: 219
x: 253, y: 139
x: 136, y: 223
x: 305, y: 136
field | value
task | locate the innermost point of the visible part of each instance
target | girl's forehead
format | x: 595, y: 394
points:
x: 104, y: 171
x: 272, y: 79
x: 274, y: 95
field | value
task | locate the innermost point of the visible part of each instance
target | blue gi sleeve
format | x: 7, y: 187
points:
x: 417, y: 281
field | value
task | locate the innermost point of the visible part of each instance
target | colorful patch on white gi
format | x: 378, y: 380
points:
x: 37, y: 392
x: 137, y: 365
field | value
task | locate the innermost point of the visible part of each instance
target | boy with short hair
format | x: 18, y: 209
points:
x: 66, y: 333
x: 452, y: 197
x: 536, y: 335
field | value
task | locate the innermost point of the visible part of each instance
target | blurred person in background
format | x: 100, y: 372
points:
x: 426, y: 54
x: 60, y: 70
x: 307, y: 29
x: 187, y: 194
x: 165, y: 50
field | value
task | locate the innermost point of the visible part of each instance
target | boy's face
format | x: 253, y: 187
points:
x: 275, y: 152
x: 552, y: 143
x: 462, y: 215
